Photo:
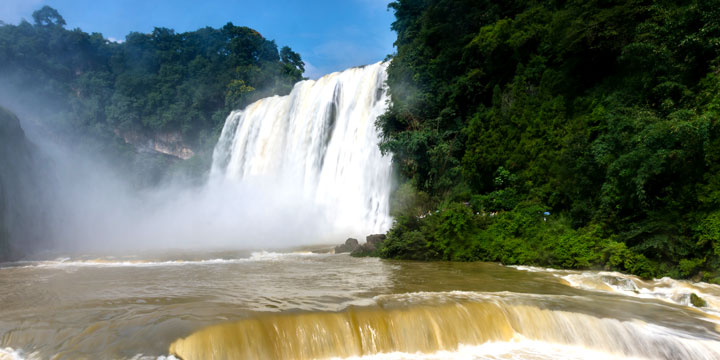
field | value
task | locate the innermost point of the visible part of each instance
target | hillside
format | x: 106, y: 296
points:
x: 163, y: 92
x: 569, y: 134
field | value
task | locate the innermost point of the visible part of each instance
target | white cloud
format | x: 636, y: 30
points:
x: 12, y: 11
x: 112, y: 39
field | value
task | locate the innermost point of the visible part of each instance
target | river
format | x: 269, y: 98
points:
x: 303, y: 305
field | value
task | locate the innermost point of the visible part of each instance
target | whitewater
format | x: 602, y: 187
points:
x: 319, y: 142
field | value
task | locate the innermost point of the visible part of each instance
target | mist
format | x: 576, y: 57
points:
x: 98, y: 204
x: 100, y: 211
x: 97, y: 208
x: 93, y: 205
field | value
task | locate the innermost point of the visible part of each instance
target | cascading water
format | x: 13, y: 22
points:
x: 319, y: 141
x: 432, y: 322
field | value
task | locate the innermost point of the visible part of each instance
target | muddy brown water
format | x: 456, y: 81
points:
x: 283, y: 305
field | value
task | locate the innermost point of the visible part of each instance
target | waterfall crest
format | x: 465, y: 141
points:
x: 319, y: 142
x: 431, y: 322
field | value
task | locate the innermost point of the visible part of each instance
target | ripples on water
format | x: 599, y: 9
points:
x: 307, y: 305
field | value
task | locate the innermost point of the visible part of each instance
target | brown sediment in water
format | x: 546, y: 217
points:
x: 428, y: 329
x: 304, y: 305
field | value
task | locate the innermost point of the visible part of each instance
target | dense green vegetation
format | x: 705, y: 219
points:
x: 162, y: 81
x: 577, y: 134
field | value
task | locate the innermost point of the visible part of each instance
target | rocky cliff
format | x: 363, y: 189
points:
x: 170, y: 143
x: 22, y: 208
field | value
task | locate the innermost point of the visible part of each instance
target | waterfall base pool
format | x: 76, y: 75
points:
x: 304, y: 305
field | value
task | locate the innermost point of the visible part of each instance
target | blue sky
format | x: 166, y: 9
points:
x: 330, y: 35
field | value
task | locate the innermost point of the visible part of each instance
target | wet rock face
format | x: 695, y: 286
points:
x: 170, y: 143
x: 349, y: 246
x: 375, y: 240
x: 23, y: 204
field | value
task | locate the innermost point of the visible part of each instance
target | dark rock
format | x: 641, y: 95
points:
x: 23, y: 204
x: 371, y: 245
x: 375, y: 240
x: 697, y: 301
x: 349, y: 246
x: 363, y: 250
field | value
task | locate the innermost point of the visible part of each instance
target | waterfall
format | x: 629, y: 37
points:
x: 432, y: 322
x: 319, y: 142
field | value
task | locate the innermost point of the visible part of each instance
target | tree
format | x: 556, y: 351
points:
x: 292, y: 58
x: 159, y: 81
x: 48, y: 17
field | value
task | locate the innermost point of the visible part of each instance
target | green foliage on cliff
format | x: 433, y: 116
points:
x: 603, y: 113
x: 161, y: 81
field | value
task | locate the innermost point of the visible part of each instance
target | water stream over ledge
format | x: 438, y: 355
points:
x: 317, y: 145
x: 302, y: 305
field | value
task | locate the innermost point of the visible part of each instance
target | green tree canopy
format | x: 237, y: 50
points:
x: 48, y: 16
x: 602, y: 113
x: 160, y: 81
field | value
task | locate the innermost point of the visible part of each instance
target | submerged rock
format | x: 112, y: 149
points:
x: 697, y: 301
x: 620, y: 283
x: 349, y: 246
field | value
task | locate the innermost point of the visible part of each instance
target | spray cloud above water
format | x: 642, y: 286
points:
x: 287, y: 171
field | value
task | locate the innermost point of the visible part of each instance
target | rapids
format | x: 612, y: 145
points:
x: 305, y: 305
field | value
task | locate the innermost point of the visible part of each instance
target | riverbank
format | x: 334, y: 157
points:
x: 603, y: 278
x: 529, y: 235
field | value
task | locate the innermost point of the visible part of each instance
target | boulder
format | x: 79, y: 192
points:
x: 349, y: 246
x: 375, y: 240
x: 372, y: 243
x: 363, y: 250
x: 697, y: 301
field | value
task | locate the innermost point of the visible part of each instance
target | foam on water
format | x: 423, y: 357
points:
x: 516, y: 349
x: 13, y: 354
x: 665, y: 289
x: 74, y: 263
x: 276, y: 256
x: 145, y: 357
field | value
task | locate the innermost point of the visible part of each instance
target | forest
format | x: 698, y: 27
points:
x: 160, y: 81
x: 573, y: 134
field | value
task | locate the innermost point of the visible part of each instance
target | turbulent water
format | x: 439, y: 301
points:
x: 319, y: 142
x: 303, y: 305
